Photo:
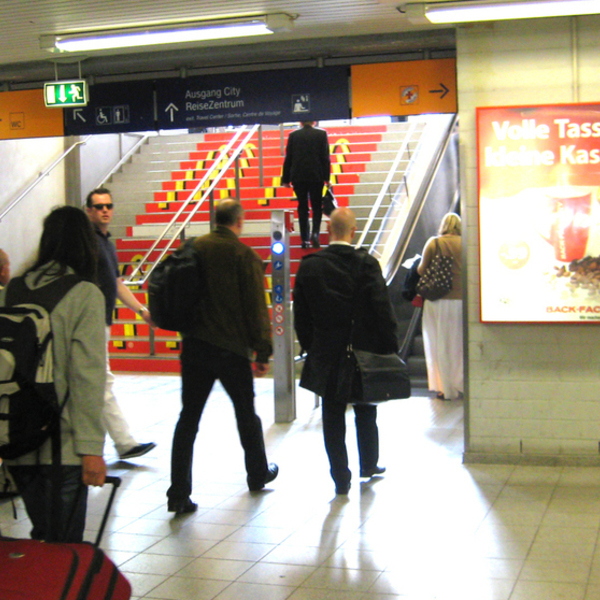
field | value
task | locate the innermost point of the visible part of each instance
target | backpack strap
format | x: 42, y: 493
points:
x: 47, y: 296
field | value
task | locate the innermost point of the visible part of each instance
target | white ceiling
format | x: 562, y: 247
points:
x: 325, y: 31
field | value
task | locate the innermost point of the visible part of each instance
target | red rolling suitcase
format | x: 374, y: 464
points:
x: 34, y: 570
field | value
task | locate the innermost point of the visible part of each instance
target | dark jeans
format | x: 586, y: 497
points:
x: 302, y: 190
x: 334, y: 433
x: 35, y: 486
x: 201, y: 364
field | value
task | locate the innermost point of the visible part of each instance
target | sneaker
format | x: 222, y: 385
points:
x: 138, y: 450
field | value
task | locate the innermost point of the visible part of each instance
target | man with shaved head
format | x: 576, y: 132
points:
x: 332, y: 287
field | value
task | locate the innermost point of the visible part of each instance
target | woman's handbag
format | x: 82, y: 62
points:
x: 329, y: 202
x: 367, y: 377
x: 436, y: 282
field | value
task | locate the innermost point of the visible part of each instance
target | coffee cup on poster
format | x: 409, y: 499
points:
x: 571, y: 208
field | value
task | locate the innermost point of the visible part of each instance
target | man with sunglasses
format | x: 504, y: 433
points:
x: 99, y: 208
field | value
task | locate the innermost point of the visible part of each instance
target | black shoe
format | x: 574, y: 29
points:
x: 314, y: 238
x: 371, y: 472
x: 138, y: 450
x: 182, y: 507
x: 342, y: 490
x: 304, y: 245
x: 272, y: 472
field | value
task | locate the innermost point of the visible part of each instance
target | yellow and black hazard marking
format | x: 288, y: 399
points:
x: 130, y: 330
x: 163, y: 206
x: 269, y: 193
x: 119, y: 345
x: 173, y: 345
x: 339, y: 149
x: 269, y: 288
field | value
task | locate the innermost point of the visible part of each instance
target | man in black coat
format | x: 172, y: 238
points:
x: 307, y: 167
x: 333, y: 286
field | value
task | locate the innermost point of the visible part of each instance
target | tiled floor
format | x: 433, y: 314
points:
x: 431, y: 528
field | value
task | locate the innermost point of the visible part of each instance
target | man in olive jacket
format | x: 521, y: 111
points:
x: 331, y: 287
x: 231, y: 330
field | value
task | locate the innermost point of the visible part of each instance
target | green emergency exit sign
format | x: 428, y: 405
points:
x: 59, y: 94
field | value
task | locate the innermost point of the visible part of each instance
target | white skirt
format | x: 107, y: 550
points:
x: 443, y: 341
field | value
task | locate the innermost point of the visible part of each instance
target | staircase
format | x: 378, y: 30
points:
x: 151, y: 188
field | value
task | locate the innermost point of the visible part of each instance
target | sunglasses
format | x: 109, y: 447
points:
x: 108, y: 206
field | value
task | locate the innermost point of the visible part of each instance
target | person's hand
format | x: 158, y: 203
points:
x: 261, y: 369
x: 145, y: 314
x: 93, y: 470
x: 288, y: 185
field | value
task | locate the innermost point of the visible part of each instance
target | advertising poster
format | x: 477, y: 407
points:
x: 539, y: 213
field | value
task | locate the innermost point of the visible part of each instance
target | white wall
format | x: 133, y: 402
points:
x: 533, y: 390
x: 21, y: 162
x: 99, y: 155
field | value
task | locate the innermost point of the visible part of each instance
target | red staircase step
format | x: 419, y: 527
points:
x: 134, y: 364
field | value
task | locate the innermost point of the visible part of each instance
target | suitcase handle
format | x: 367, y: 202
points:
x: 115, y: 482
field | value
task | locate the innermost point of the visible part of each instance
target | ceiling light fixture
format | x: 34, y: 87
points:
x: 197, y: 31
x: 472, y: 11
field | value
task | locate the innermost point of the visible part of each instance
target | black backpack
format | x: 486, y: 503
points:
x: 174, y: 288
x: 29, y: 407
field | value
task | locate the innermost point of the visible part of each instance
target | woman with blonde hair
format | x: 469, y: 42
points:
x: 442, y: 319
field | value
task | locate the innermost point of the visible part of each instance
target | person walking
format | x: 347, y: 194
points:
x: 307, y: 168
x: 99, y: 208
x: 67, y: 247
x: 442, y: 319
x: 231, y: 332
x: 331, y: 286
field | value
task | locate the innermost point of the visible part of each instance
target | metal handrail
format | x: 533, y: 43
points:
x: 41, y: 176
x: 418, y: 201
x: 386, y: 185
x: 123, y: 159
x: 215, y: 166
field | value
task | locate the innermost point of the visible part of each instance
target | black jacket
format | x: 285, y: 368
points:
x: 307, y: 156
x: 324, y: 302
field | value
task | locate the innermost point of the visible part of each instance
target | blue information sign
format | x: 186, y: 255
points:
x: 254, y: 97
x: 113, y: 108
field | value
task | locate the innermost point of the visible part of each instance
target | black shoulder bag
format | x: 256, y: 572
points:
x: 367, y: 377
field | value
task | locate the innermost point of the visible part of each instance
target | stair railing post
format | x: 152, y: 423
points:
x: 152, y: 340
x: 237, y: 176
x: 211, y: 210
x: 261, y: 175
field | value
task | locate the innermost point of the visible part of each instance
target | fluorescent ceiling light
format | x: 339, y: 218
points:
x: 471, y: 11
x: 198, y: 31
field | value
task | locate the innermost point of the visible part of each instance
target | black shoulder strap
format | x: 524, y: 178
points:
x: 47, y: 296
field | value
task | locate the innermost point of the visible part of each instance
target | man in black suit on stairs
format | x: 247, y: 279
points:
x: 331, y: 287
x: 307, y: 168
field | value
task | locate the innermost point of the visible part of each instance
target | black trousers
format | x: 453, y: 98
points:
x: 303, y: 190
x: 334, y: 434
x: 202, y: 364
